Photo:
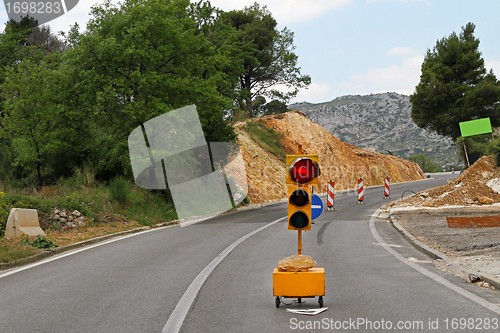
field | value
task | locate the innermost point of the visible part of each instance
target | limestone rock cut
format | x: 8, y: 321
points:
x: 296, y: 263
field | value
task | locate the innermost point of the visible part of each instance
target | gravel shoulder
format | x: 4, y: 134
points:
x: 465, y: 252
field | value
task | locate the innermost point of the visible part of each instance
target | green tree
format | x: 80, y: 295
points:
x: 268, y: 56
x: 45, y: 122
x: 426, y: 163
x: 143, y: 58
x: 12, y: 41
x: 455, y: 86
x: 275, y: 107
x: 258, y: 103
x: 494, y: 149
x: 21, y: 40
x: 28, y: 119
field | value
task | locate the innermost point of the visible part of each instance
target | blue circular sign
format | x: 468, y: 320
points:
x: 316, y: 206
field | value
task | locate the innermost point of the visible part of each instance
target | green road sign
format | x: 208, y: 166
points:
x: 475, y: 127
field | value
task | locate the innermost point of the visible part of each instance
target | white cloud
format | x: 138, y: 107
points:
x: 397, y: 78
x: 284, y: 11
x: 79, y: 14
x: 287, y: 11
x: 402, y: 1
x: 493, y: 64
x: 316, y: 93
x: 401, y: 51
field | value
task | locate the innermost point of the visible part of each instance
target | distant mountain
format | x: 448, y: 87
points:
x: 381, y: 123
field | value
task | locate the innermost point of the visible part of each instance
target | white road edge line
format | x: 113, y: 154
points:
x: 177, y: 316
x: 72, y: 252
x: 481, y: 301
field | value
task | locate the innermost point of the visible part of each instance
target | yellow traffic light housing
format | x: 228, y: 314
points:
x: 302, y: 170
x: 302, y: 173
x: 299, y: 208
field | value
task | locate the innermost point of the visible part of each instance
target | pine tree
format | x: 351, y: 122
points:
x: 455, y: 86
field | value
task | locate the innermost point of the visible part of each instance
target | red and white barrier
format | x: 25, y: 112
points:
x: 329, y: 201
x: 386, y: 188
x: 361, y: 192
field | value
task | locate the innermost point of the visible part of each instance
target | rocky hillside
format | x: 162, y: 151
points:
x: 339, y: 162
x: 382, y: 123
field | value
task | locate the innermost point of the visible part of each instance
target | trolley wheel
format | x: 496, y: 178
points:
x: 278, y: 301
x: 320, y: 301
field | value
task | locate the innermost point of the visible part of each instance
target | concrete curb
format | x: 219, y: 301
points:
x: 51, y: 252
x: 436, y: 255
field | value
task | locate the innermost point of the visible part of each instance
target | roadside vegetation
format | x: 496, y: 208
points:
x: 107, y: 208
x: 426, y: 163
x: 267, y: 138
x: 69, y: 102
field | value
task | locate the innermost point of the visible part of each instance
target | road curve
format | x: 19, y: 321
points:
x: 135, y: 284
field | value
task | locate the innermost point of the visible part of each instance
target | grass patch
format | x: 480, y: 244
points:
x: 267, y: 138
x: 105, y: 209
x: 93, y: 230
x: 11, y: 250
x: 118, y: 190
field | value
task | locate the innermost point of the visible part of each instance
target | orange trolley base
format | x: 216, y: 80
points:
x: 299, y: 285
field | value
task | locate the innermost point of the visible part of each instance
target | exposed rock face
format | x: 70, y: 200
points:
x: 379, y: 122
x: 296, y: 263
x: 341, y: 163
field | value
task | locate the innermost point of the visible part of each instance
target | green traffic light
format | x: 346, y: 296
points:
x: 299, y: 220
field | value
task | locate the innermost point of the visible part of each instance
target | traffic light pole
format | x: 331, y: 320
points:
x: 299, y: 243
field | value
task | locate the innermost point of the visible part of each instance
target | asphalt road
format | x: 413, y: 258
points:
x: 216, y: 276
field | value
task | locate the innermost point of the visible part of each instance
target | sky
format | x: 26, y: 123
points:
x: 358, y: 47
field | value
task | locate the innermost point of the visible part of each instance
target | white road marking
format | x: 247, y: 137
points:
x: 177, y: 316
x: 390, y: 245
x: 72, y: 252
x: 481, y: 301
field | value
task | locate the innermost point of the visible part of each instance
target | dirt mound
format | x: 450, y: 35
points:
x: 341, y: 163
x: 470, y: 188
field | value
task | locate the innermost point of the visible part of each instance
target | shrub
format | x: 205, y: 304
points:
x: 426, y: 163
x: 267, y: 138
x: 494, y: 149
x: 39, y: 243
x: 4, y: 214
x: 118, y: 190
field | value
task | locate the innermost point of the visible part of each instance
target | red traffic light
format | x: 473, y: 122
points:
x: 302, y: 170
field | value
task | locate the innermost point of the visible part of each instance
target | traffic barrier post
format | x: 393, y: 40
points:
x: 361, y: 192
x: 386, y: 188
x: 330, y: 197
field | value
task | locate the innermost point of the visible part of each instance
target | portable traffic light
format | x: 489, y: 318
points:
x: 302, y: 170
x: 299, y: 208
x: 302, y: 173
